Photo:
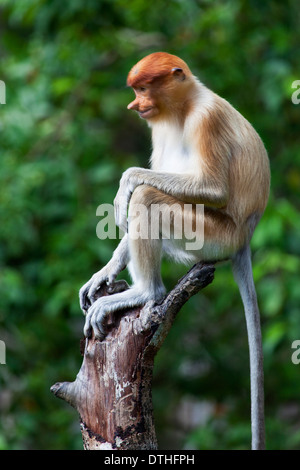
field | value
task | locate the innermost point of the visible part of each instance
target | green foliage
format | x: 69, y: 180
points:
x: 66, y: 137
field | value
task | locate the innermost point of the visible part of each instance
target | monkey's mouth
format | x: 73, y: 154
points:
x: 146, y: 113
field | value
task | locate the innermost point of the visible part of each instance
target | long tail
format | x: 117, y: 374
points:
x: 242, y: 270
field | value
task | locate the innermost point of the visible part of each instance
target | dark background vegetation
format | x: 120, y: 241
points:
x: 66, y: 137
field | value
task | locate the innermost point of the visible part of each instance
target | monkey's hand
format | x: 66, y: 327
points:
x: 128, y: 183
x: 121, y: 205
x: 87, y: 292
x: 106, y: 275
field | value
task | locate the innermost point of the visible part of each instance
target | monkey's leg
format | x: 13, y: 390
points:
x: 242, y: 269
x: 144, y: 267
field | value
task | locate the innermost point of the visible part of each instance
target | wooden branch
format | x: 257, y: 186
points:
x: 112, y: 391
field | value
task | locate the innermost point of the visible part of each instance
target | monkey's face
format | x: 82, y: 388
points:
x: 145, y: 103
x: 161, y: 83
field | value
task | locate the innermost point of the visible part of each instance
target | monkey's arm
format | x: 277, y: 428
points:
x: 107, y: 274
x: 211, y: 190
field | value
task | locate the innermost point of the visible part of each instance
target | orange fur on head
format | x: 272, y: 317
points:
x: 154, y: 66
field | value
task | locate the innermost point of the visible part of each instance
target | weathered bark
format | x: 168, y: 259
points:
x: 112, y: 391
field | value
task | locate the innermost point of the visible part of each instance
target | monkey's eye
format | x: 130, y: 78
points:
x: 142, y: 89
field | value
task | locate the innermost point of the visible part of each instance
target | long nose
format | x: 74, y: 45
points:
x: 134, y: 105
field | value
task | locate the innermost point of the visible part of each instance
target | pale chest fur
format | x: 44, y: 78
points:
x: 172, y: 150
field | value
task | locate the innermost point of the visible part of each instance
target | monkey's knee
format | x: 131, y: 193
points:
x: 143, y: 195
x: 147, y: 196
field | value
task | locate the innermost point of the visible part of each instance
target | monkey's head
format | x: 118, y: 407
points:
x: 161, y: 83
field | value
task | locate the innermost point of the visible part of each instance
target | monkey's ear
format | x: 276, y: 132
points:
x: 178, y: 73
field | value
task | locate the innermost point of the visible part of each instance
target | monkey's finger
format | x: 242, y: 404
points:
x: 116, y: 211
x: 87, y: 330
x: 117, y: 218
x: 97, y: 325
x: 121, y: 218
x: 83, y: 299
x: 123, y: 225
x: 120, y: 209
x: 93, y: 289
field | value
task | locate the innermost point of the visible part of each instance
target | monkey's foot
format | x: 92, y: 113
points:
x: 98, y: 312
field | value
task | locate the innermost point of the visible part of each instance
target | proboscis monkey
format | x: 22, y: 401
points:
x: 204, y: 153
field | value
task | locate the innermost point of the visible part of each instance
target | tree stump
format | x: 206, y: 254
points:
x: 112, y: 391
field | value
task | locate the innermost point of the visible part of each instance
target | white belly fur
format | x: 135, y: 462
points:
x: 172, y: 153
